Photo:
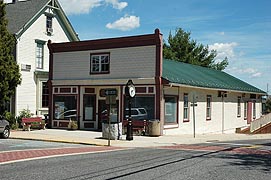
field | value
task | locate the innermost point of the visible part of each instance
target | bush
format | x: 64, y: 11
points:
x: 11, y: 119
x: 25, y: 113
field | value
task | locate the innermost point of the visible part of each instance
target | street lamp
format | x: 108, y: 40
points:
x: 130, y: 93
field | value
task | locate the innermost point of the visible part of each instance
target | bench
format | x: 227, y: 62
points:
x: 27, y: 122
x: 139, y: 126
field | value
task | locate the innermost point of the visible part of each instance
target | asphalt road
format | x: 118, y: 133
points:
x: 147, y: 163
x: 17, y: 144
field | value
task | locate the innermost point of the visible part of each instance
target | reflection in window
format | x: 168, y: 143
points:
x: 170, y: 109
x: 99, y: 63
x: 65, y: 107
x: 142, y: 108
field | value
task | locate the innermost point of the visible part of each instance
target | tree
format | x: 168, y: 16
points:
x: 10, y: 76
x: 268, y: 105
x: 182, y: 48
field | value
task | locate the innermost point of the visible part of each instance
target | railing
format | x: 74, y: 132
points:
x: 258, y: 123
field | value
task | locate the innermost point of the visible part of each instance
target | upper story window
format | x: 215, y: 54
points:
x: 99, y: 63
x: 49, y: 24
x: 208, y: 107
x: 39, y: 54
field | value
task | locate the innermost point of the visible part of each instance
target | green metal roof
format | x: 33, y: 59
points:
x: 192, y: 75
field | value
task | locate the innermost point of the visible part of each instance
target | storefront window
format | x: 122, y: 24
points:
x: 142, y: 108
x: 170, y: 110
x: 65, y: 107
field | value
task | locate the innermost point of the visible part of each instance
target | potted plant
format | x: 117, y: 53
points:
x: 72, y: 125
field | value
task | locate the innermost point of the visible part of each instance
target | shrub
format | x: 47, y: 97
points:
x: 11, y: 119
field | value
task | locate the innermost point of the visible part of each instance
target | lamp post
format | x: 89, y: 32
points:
x: 130, y: 93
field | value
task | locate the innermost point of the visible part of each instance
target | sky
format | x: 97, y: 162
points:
x: 237, y: 29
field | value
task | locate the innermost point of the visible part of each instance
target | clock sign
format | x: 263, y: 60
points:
x: 130, y: 90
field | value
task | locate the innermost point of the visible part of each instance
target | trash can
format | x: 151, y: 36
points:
x: 154, y: 128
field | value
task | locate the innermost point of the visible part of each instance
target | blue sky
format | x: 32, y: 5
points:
x: 238, y: 29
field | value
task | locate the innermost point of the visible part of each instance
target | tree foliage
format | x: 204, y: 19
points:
x: 181, y: 47
x: 268, y: 105
x: 10, y: 76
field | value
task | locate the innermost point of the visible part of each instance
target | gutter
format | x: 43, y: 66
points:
x: 213, y: 89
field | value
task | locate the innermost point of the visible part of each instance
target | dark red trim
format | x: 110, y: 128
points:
x: 50, y: 111
x: 120, y: 42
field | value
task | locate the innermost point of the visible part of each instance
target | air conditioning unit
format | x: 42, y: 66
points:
x: 50, y: 30
x: 25, y: 67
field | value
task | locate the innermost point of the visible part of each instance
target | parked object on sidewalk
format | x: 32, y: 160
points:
x: 154, y: 127
x: 4, y: 128
x: 72, y: 125
x: 28, y: 122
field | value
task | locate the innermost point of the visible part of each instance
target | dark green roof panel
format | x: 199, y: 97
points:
x: 192, y: 75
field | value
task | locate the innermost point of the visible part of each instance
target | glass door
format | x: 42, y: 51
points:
x: 89, y: 112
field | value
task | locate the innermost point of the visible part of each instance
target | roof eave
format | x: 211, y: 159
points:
x: 216, y: 89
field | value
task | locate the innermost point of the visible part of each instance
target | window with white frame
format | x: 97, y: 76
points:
x: 99, y: 63
x: 208, y: 107
x: 254, y: 110
x: 49, y: 23
x: 185, y: 108
x: 39, y: 54
x: 239, y: 106
x: 171, y: 110
x: 245, y: 110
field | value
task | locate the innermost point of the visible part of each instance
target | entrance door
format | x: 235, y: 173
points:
x: 249, y: 112
x: 89, y: 112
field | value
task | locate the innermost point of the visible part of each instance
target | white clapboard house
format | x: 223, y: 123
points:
x: 33, y: 23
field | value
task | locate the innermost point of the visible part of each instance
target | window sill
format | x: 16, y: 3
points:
x: 208, y: 119
x: 186, y: 120
x: 171, y: 126
x: 97, y: 73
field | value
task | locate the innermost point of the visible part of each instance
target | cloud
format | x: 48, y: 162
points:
x: 224, y: 50
x: 125, y: 23
x: 79, y: 6
x: 250, y: 72
x: 85, y: 6
x: 116, y: 4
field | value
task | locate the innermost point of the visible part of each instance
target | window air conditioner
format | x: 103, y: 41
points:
x: 50, y: 30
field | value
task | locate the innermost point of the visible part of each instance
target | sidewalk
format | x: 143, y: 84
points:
x: 94, y: 138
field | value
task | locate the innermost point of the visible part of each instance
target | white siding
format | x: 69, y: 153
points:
x: 216, y: 124
x: 28, y: 96
x: 132, y: 62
